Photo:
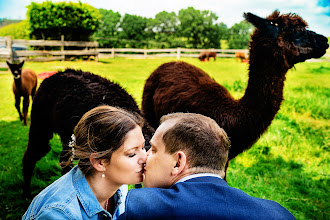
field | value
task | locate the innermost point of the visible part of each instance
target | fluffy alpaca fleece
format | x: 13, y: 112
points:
x: 59, y: 103
x: 279, y: 42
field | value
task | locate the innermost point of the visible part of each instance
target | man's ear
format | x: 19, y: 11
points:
x: 181, y: 163
x: 98, y: 164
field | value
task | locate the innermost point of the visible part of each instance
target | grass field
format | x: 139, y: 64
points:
x: 289, y: 164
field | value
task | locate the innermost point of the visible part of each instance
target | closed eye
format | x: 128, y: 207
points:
x: 132, y: 155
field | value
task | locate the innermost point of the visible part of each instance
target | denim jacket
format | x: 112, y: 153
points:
x: 70, y: 197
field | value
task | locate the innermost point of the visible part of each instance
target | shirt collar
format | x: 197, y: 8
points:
x: 197, y: 175
x: 86, y: 196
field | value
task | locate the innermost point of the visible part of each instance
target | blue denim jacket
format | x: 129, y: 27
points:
x: 70, y: 197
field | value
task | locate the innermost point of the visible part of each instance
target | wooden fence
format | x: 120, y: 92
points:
x: 171, y: 52
x: 12, y: 50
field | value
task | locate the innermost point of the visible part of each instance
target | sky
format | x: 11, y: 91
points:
x: 315, y: 12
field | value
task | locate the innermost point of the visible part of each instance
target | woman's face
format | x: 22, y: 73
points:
x: 126, y: 164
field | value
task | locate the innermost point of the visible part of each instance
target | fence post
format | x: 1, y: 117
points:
x: 62, y: 48
x: 145, y: 52
x: 178, y: 53
x: 9, y: 46
x: 113, y: 52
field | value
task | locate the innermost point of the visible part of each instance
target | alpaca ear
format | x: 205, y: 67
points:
x: 268, y: 28
x: 22, y: 63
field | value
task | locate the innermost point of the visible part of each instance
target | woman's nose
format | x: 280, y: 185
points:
x: 143, y: 157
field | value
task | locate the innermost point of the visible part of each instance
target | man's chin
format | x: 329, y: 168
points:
x: 145, y: 182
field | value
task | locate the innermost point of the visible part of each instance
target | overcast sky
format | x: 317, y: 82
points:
x: 315, y: 12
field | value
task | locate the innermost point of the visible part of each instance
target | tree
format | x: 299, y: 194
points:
x: 134, y: 28
x: 49, y: 20
x: 199, y: 28
x: 164, y: 26
x: 107, y: 33
x: 239, y: 35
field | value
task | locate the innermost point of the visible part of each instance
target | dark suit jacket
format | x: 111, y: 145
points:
x: 200, y: 198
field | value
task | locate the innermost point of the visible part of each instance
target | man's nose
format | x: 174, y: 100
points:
x: 148, y: 152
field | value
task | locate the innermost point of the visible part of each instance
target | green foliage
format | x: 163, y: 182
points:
x: 5, y: 22
x: 239, y: 35
x: 199, y: 28
x: 164, y: 26
x: 133, y: 28
x: 16, y: 30
x: 191, y: 29
x: 108, y: 27
x: 289, y: 163
x: 49, y: 20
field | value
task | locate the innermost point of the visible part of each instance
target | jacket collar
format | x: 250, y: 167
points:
x: 85, y: 195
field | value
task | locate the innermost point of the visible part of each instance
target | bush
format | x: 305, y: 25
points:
x: 76, y: 21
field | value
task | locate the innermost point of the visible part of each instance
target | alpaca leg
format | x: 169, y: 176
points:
x: 17, y: 105
x: 26, y: 102
x: 33, y: 92
x: 37, y: 147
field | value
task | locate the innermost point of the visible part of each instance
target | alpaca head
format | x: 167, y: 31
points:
x: 16, y: 69
x: 286, y: 38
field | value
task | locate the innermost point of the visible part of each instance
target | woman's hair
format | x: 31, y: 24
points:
x: 100, y: 132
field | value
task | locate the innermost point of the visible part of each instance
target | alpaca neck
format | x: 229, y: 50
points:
x: 264, y: 93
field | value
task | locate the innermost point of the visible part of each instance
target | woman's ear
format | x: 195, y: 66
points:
x: 181, y: 162
x: 98, y: 164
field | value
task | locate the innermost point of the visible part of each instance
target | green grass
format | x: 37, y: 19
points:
x: 289, y: 164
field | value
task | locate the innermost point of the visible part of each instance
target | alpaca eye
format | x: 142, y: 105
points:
x: 276, y: 24
x: 271, y: 22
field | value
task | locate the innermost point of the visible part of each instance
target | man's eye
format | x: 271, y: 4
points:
x: 132, y: 155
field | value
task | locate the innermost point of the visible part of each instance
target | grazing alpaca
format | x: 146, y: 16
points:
x: 240, y: 55
x: 59, y: 103
x: 279, y: 42
x: 25, y: 84
x: 206, y: 55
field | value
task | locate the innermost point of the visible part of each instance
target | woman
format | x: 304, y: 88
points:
x: 109, y: 147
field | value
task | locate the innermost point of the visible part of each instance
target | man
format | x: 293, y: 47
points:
x: 186, y: 163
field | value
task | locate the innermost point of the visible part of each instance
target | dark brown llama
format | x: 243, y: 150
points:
x: 58, y: 105
x: 279, y: 42
x: 25, y: 84
x: 206, y: 54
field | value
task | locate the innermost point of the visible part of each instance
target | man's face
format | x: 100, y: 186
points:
x: 159, y: 164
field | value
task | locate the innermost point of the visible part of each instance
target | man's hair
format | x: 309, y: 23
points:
x: 204, y: 142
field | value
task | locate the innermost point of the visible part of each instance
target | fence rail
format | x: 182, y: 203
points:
x: 15, y: 50
x: 171, y: 52
x: 18, y: 50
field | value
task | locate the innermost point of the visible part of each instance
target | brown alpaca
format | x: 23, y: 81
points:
x: 25, y: 84
x: 205, y: 55
x: 240, y: 55
x: 279, y: 42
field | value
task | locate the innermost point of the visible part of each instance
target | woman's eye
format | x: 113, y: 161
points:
x: 132, y: 155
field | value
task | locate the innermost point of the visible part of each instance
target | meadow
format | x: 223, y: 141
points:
x: 289, y: 164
